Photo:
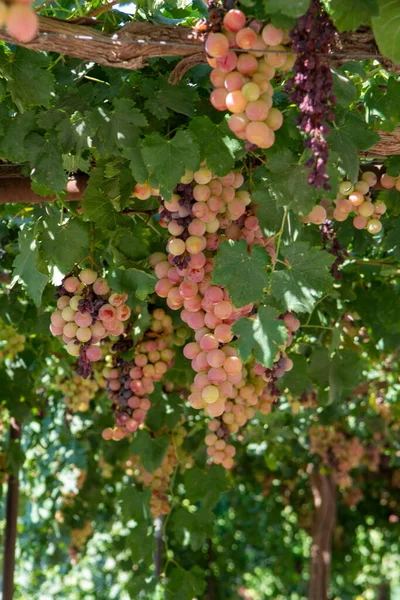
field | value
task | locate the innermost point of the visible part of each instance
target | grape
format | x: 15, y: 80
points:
x: 260, y: 134
x: 374, y: 226
x: 274, y: 119
x: 143, y: 191
x: 370, y: 178
x: 176, y: 247
x: 22, y: 23
x: 234, y: 20
x: 88, y: 276
x: 257, y: 111
x: 250, y: 91
x: 218, y: 98
x: 217, y: 45
x: 387, y: 181
x: 246, y: 38
x: 271, y: 35
x: 236, y: 101
x: 317, y: 215
x: 366, y: 209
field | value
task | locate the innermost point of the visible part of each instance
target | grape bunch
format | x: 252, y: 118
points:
x: 130, y: 382
x: 88, y: 312
x: 11, y: 342
x: 21, y: 22
x: 185, y: 280
x: 311, y: 88
x: 339, y: 452
x: 159, y: 481
x: 78, y: 392
x: 242, y: 75
x: 353, y: 200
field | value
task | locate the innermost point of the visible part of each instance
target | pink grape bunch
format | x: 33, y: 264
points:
x: 130, y: 382
x: 159, y: 480
x: 88, y: 312
x: 242, y: 75
x: 21, y: 22
x: 355, y: 201
x: 185, y: 281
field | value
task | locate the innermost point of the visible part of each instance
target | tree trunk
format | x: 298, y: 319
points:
x: 324, y: 496
x: 10, y: 537
x: 383, y: 591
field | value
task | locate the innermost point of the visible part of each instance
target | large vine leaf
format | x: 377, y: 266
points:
x: 64, y: 244
x: 287, y: 180
x: 26, y: 267
x: 217, y: 144
x: 261, y: 336
x: 132, y: 281
x: 305, y: 278
x: 291, y: 8
x: 348, y: 15
x: 242, y: 273
x: 386, y: 28
x: 185, y: 585
x: 166, y: 159
x: 29, y: 79
x: 151, y: 450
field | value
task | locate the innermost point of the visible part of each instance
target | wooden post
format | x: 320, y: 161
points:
x: 324, y: 495
x: 10, y: 537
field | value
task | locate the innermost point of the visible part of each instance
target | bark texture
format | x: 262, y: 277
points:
x: 18, y: 190
x: 324, y: 496
x: 131, y: 47
x: 10, y: 537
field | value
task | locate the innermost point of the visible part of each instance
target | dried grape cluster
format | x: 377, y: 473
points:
x: 88, y: 312
x: 19, y: 19
x: 331, y: 244
x: 203, y: 211
x: 130, y: 382
x: 159, y: 480
x: 354, y: 200
x: 311, y: 88
x: 242, y: 75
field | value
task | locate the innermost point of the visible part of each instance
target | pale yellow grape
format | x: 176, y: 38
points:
x: 176, y: 247
x: 346, y: 187
x: 210, y: 394
x: 366, y: 209
x: 374, y: 226
x: 251, y: 91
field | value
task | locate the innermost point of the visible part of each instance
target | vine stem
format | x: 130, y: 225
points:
x: 280, y: 232
x: 10, y: 538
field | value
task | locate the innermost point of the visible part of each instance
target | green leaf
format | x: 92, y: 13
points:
x: 12, y: 144
x: 205, y: 485
x: 217, y: 144
x: 185, y: 585
x: 242, y: 273
x: 136, y: 163
x: 305, y: 279
x: 287, y: 180
x: 26, y: 266
x: 269, y: 214
x: 344, y: 89
x: 99, y: 209
x: 29, y: 79
x: 132, y: 281
x: 348, y: 15
x: 297, y: 380
x: 120, y: 127
x: 151, y: 450
x: 46, y: 160
x: 291, y: 8
x: 135, y: 504
x: 392, y: 165
x: 163, y: 97
x: 192, y: 528
x: 262, y: 336
x: 166, y: 159
x: 386, y: 28
x: 382, y: 105
x: 66, y: 244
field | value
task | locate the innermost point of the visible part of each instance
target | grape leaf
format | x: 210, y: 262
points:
x: 269, y: 214
x: 28, y: 77
x: 206, y: 485
x: 163, y: 97
x: 344, y: 89
x: 98, y: 208
x: 120, y: 127
x: 64, y: 245
x: 261, y: 336
x: 135, y: 504
x: 185, y: 585
x: 296, y: 380
x: 193, y: 528
x: 242, y: 273
x: 291, y: 8
x: 26, y: 266
x: 12, y: 143
x: 151, y: 450
x: 305, y: 279
x: 166, y: 159
x: 132, y: 281
x: 217, y: 144
x: 386, y: 28
x: 348, y: 15
x: 287, y: 180
x: 382, y: 105
x: 46, y: 160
